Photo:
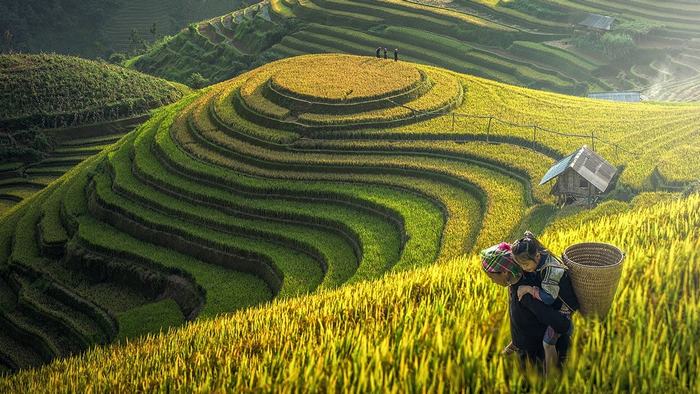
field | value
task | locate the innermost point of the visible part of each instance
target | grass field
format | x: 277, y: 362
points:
x: 357, y: 238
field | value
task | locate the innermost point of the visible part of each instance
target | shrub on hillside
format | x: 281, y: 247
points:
x: 25, y: 145
x: 580, y: 89
x: 617, y: 45
x: 197, y: 81
x: 264, y: 58
x: 638, y: 29
x: 117, y: 58
x: 258, y: 34
x: 621, y: 192
x: 613, y: 44
x: 484, y: 36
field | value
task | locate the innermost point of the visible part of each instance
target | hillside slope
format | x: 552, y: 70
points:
x: 667, y: 67
x: 498, y: 42
x: 225, y: 46
x: 54, y: 91
x: 135, y: 19
x: 432, y: 329
x: 293, y: 179
x: 51, y: 99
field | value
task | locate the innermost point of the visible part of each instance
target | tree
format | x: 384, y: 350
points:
x: 197, y: 81
x: 8, y: 135
x: 638, y: 29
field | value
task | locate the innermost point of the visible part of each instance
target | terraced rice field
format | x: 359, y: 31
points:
x: 678, y: 17
x: 140, y: 15
x: 672, y: 76
x: 269, y: 187
x: 22, y: 181
x: 455, y: 40
x: 436, y: 328
x: 478, y: 37
x: 79, y: 104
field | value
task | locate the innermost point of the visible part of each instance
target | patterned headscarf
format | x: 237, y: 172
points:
x: 498, y: 258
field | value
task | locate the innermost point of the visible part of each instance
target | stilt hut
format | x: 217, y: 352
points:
x: 581, y: 177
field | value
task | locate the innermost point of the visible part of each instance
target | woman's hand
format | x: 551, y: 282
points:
x: 522, y: 290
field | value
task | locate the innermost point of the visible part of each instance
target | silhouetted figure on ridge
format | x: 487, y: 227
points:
x: 396, y: 54
x: 384, y: 53
x: 379, y: 49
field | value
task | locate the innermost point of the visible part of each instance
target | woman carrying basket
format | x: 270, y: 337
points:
x: 529, y: 317
x: 555, y: 290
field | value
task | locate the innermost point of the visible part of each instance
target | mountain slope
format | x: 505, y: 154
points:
x: 511, y: 42
x: 293, y: 179
x: 54, y: 91
x: 433, y: 329
x: 59, y: 110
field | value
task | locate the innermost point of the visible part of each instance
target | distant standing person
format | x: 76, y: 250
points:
x: 396, y: 54
x: 379, y: 49
x: 384, y: 53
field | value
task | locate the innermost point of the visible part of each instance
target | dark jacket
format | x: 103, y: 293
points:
x: 555, y: 281
x: 566, y: 294
x: 529, y: 319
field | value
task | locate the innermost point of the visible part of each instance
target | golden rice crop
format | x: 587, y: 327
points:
x: 517, y: 158
x: 338, y: 78
x: 251, y: 93
x: 646, y: 130
x: 649, y: 136
x: 505, y: 196
x: 436, y: 328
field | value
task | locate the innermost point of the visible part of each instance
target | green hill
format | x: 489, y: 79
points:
x: 54, y: 102
x: 53, y: 91
x: 93, y: 28
x: 290, y: 180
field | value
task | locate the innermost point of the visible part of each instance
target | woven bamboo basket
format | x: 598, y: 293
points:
x: 594, y: 269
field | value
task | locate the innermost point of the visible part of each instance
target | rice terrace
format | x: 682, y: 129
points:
x: 350, y: 196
